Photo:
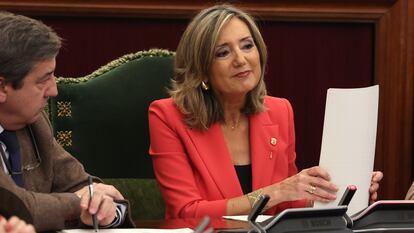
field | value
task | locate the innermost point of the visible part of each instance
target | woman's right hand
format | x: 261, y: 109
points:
x: 311, y: 184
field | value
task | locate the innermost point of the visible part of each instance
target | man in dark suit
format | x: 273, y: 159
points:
x: 35, y: 170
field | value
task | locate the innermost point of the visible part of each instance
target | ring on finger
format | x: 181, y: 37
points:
x: 311, y: 189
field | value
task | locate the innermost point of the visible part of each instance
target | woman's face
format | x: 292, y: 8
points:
x: 235, y: 69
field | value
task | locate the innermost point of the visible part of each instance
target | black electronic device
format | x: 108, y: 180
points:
x: 348, y: 194
x: 385, y: 216
x: 251, y: 218
x: 305, y: 220
x: 257, y: 209
x: 301, y: 220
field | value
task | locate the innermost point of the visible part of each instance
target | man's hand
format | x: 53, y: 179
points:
x: 102, y: 203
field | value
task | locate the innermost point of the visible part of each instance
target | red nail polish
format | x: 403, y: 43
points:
x: 1, y: 217
x: 8, y: 227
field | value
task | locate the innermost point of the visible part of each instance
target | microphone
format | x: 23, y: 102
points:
x: 347, y: 196
x: 345, y: 200
x: 257, y: 209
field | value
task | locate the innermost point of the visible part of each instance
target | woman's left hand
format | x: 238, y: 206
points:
x: 376, y: 178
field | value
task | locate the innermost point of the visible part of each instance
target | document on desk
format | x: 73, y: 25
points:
x: 129, y: 230
x: 348, y: 142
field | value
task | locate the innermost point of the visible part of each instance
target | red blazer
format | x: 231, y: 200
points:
x: 194, y: 168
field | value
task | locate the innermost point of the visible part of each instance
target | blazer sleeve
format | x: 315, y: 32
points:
x: 292, y: 152
x: 173, y: 168
x: 292, y: 141
x: 69, y: 177
x: 276, y: 107
x: 48, y: 194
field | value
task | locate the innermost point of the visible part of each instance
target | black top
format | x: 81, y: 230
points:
x: 244, y: 173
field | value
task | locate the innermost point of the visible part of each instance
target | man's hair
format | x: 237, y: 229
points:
x: 194, y: 57
x: 23, y: 42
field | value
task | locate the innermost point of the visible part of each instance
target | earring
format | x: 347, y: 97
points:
x: 204, y: 86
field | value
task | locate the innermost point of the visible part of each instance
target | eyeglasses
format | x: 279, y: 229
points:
x: 28, y: 167
x: 37, y: 154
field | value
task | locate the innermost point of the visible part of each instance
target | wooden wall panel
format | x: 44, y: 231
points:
x: 282, y: 9
x: 307, y: 58
x: 410, y: 78
x: 91, y: 42
x: 392, y: 72
x: 392, y: 66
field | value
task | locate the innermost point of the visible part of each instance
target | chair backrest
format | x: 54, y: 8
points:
x: 101, y: 119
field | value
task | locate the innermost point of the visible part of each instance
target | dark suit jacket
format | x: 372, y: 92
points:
x: 194, y: 169
x: 48, y: 190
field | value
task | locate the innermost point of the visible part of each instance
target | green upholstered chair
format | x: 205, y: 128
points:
x: 101, y: 119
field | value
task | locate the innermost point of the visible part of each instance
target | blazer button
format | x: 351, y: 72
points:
x: 273, y: 141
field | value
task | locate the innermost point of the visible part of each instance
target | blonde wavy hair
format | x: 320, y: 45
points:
x: 194, y: 56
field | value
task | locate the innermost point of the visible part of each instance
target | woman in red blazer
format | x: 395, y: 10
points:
x: 220, y: 142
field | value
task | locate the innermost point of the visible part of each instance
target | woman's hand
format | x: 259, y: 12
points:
x: 312, y: 184
x: 15, y: 225
x: 376, y: 178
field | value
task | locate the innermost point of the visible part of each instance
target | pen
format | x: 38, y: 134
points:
x: 94, y: 220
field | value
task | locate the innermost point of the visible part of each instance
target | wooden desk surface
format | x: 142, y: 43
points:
x: 217, y: 224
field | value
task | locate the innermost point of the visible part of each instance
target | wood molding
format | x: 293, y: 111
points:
x: 393, y: 72
x: 393, y: 68
x: 268, y: 9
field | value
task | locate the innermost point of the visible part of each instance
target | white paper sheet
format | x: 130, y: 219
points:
x: 130, y: 230
x: 259, y: 218
x: 348, y: 142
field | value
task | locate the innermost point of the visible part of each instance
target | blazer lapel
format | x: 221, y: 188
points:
x: 263, y: 145
x: 214, y: 153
